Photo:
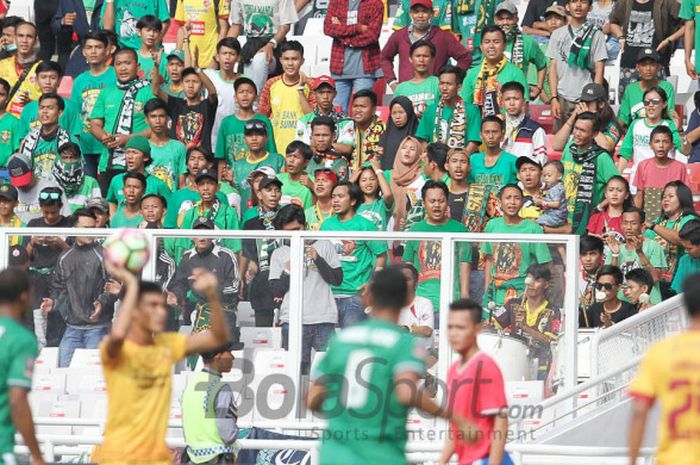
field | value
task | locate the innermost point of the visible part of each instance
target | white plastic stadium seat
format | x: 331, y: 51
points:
x: 47, y: 359
x: 268, y: 363
x: 65, y: 407
x: 86, y: 358
x: 245, y: 314
x: 85, y: 382
x: 49, y: 383
x: 524, y: 392
x: 261, y: 338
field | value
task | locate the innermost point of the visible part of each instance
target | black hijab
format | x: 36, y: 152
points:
x: 393, y: 136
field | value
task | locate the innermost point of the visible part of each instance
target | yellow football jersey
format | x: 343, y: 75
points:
x: 670, y: 373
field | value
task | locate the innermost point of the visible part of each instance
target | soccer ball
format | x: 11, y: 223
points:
x: 128, y: 248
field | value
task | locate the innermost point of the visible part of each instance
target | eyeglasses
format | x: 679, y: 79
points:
x: 652, y: 101
x: 606, y: 286
x: 49, y: 196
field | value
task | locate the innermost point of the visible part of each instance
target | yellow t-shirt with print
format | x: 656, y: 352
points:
x: 670, y: 373
x: 29, y: 87
x: 139, y: 386
x: 205, y: 25
x: 281, y: 103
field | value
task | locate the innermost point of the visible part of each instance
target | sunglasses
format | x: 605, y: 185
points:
x: 49, y: 196
x: 324, y: 171
x: 606, y: 286
x: 652, y: 101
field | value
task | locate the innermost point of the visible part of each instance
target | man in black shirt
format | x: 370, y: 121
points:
x: 608, y: 309
x: 44, y: 252
x: 533, y: 20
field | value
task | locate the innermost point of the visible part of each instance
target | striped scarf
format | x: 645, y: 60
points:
x: 125, y: 119
x: 486, y: 88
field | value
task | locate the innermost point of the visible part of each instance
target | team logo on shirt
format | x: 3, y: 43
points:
x: 507, y: 258
x: 5, y: 137
x: 429, y: 258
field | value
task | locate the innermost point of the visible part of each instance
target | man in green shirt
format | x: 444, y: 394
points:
x: 296, y: 185
x: 118, y: 115
x: 632, y: 105
x: 493, y: 167
x: 587, y: 169
x: 690, y: 12
x: 121, y: 16
x: 9, y: 130
x: 138, y: 158
x: 482, y: 84
x: 48, y: 77
x: 506, y: 263
x: 358, y: 258
x: 86, y: 88
x: 451, y: 121
x: 18, y: 351
x: 367, y: 422
x: 426, y: 256
x: 167, y: 155
x: 43, y: 141
x: 230, y: 145
x: 323, y: 133
x: 440, y: 16
x: 423, y: 89
x: 689, y: 263
x: 69, y: 172
x: 128, y: 213
x: 521, y: 49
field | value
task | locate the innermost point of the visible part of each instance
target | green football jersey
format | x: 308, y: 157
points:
x: 366, y: 422
x: 18, y: 350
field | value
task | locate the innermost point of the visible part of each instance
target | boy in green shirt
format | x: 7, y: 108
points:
x: 18, y: 352
x: 451, y: 121
x: 255, y: 136
x: 9, y: 130
x: 128, y: 213
x: 48, y: 77
x: 43, y: 141
x: 493, y: 167
x: 506, y: 263
x: 323, y: 133
x: 138, y: 158
x: 69, y: 171
x: 689, y: 263
x: 149, y: 28
x: 426, y: 256
x: 296, y: 185
x: 423, y: 89
x: 230, y: 145
x: 167, y: 155
x: 86, y: 88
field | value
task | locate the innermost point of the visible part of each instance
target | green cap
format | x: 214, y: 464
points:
x: 176, y: 53
x: 141, y: 144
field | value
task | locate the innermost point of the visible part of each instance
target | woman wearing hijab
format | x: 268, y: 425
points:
x: 402, y: 123
x: 406, y: 179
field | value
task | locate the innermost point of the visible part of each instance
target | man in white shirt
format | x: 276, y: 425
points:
x: 417, y: 316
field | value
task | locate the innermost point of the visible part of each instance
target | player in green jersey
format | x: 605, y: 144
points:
x: 368, y: 380
x: 18, y: 350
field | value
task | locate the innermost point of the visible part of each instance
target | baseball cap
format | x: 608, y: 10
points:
x: 255, y: 125
x: 206, y: 174
x: 326, y: 173
x: 593, y: 92
x: 555, y: 10
x: 648, y: 54
x: 425, y: 3
x: 8, y: 192
x: 244, y: 80
x: 203, y: 223
x: 139, y: 143
x: 176, y: 53
x: 524, y: 160
x: 99, y: 203
x: 321, y: 80
x: 507, y: 6
x: 267, y: 171
x: 21, y: 170
x: 267, y: 180
x: 228, y: 347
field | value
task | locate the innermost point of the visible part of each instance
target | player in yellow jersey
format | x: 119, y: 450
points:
x: 138, y: 359
x: 670, y: 373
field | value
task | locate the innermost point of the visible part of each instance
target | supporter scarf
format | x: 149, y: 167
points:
x: 31, y: 141
x: 486, y: 88
x: 463, y: 7
x: 367, y: 142
x: 125, y: 119
x: 670, y: 249
x: 515, y: 36
x: 475, y: 212
x: 335, y: 115
x: 586, y: 183
x: 213, y: 211
x: 266, y: 246
x: 456, y: 132
x: 581, y: 45
x: 513, y: 124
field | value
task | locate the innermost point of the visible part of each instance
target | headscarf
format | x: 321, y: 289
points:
x: 394, y: 136
x: 404, y: 175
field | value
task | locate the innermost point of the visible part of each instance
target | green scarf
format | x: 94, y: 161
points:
x: 581, y: 45
x: 586, y: 184
x: 515, y: 36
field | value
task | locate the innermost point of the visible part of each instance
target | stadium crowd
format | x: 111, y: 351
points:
x: 218, y: 135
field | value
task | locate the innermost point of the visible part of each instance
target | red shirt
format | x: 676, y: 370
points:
x: 475, y: 391
x: 601, y: 222
x: 651, y: 176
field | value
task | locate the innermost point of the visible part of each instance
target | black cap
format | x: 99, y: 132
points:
x: 255, y: 125
x: 593, y: 92
x: 206, y: 174
x: 203, y: 223
x: 525, y: 160
x: 8, y: 192
x: 227, y: 347
x: 648, y: 54
x: 267, y: 180
x: 244, y: 80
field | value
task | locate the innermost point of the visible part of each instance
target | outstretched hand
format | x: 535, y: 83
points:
x: 204, y: 282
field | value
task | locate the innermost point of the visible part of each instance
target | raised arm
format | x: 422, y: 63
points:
x: 205, y: 283
x: 120, y: 327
